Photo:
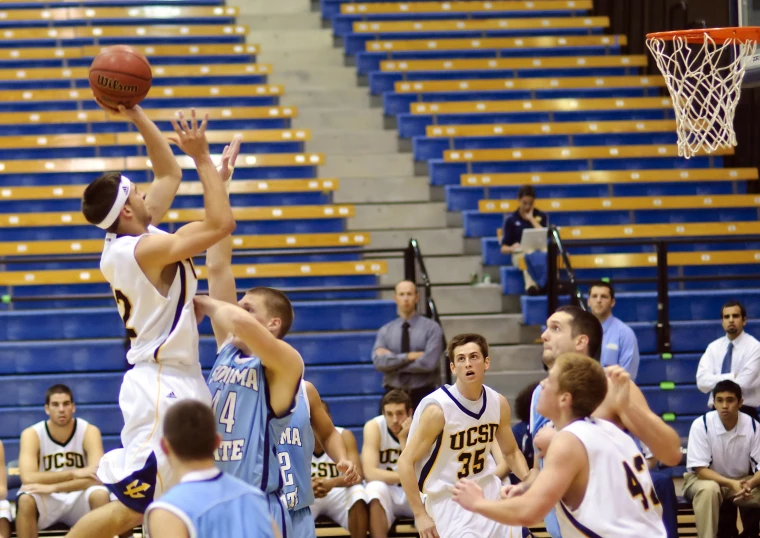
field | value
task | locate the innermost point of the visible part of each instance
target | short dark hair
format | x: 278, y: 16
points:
x: 190, y: 430
x: 522, y: 402
x: 604, y: 284
x: 585, y: 380
x: 58, y: 388
x: 278, y: 306
x: 466, y: 338
x: 98, y: 198
x: 734, y: 302
x: 526, y: 190
x: 396, y: 396
x: 585, y: 323
x: 728, y: 386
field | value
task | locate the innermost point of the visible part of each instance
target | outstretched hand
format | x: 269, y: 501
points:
x: 191, y: 137
x: 619, y: 387
x: 229, y: 156
x: 350, y: 473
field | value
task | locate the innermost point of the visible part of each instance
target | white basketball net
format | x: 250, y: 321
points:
x: 704, y: 81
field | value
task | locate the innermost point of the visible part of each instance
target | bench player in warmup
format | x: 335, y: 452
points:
x: 384, y: 439
x: 154, y: 282
x: 57, y: 462
x: 255, y: 379
x: 454, y: 435
x: 309, y: 423
x: 593, y: 474
x: 206, y: 502
x: 572, y: 329
x: 343, y: 502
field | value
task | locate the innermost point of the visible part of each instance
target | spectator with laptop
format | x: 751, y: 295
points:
x: 527, y: 217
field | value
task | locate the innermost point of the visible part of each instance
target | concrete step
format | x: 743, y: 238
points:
x: 510, y: 358
x: 288, y: 40
x: 397, y: 216
x: 431, y: 241
x: 496, y: 328
x: 440, y: 269
x: 299, y: 20
x: 511, y: 383
x: 313, y: 76
x: 259, y: 7
x: 326, y: 56
x: 305, y: 98
x: 357, y: 143
x: 467, y: 299
x: 338, y: 118
x: 386, y: 189
x: 362, y: 166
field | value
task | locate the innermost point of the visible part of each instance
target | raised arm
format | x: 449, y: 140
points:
x: 430, y: 427
x: 629, y: 353
x: 159, y: 250
x: 371, y: 457
x: 167, y: 174
x: 329, y: 437
x: 283, y: 365
x: 638, y: 418
x: 509, y: 447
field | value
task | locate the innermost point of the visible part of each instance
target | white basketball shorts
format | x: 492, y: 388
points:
x: 338, y: 502
x: 453, y: 521
x: 391, y: 498
x: 66, y: 508
x: 139, y: 473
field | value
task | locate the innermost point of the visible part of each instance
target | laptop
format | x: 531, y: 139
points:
x: 533, y: 239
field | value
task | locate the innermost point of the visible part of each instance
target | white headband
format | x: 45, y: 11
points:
x: 121, y: 198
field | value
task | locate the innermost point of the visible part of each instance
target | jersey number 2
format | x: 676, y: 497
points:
x: 634, y: 486
x: 285, y: 466
x: 470, y: 464
x: 125, y: 309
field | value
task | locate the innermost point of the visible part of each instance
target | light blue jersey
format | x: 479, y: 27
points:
x: 213, y: 504
x: 537, y: 422
x: 247, y: 425
x: 294, y: 451
x: 620, y: 346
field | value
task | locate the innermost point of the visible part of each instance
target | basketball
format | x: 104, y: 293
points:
x: 120, y: 75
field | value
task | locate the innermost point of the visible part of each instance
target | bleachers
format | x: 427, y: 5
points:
x: 57, y: 319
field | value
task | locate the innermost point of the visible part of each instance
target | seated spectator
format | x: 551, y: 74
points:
x: 526, y: 216
x: 408, y: 350
x: 384, y: 438
x: 5, y: 506
x: 735, y: 357
x: 619, y: 343
x: 57, y: 462
x: 346, y: 505
x: 723, y: 446
x: 238, y: 509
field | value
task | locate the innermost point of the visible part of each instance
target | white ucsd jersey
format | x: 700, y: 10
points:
x: 463, y: 450
x: 57, y: 457
x: 390, y: 449
x: 161, y: 329
x: 323, y: 466
x: 618, y: 480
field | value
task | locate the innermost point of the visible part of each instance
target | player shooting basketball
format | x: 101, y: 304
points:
x: 154, y: 282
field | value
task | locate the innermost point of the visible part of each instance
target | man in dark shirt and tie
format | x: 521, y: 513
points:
x: 526, y: 216
x: 408, y: 349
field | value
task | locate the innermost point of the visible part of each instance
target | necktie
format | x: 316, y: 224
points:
x: 726, y: 368
x: 405, y: 348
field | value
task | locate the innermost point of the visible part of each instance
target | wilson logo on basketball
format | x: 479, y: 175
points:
x: 113, y: 84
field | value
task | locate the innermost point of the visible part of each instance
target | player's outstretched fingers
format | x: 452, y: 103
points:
x: 204, y: 124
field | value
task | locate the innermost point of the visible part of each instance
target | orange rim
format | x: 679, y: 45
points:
x: 743, y: 34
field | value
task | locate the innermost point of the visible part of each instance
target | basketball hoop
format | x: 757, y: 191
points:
x: 703, y: 71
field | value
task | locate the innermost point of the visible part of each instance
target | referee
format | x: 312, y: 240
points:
x: 408, y: 349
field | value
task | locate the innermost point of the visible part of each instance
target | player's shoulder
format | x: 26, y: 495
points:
x: 375, y: 423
